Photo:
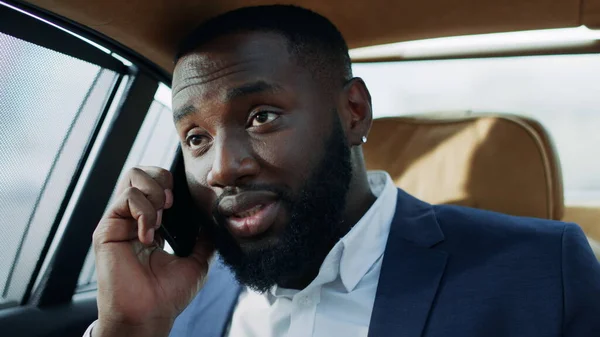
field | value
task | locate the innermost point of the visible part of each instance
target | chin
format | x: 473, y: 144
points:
x: 260, y: 243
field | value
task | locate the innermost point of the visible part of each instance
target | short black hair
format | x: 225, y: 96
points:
x: 313, y: 40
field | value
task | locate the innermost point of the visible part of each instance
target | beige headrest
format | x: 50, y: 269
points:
x: 502, y: 163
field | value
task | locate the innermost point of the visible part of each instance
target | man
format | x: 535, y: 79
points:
x: 271, y: 124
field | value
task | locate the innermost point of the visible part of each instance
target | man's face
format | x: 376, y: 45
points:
x: 265, y: 154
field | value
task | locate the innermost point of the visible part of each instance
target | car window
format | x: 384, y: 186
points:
x: 50, y: 104
x: 155, y: 145
x: 560, y: 91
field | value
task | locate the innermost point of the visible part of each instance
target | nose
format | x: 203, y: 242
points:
x: 233, y: 163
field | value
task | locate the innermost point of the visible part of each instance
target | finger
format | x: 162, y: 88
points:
x: 168, y: 198
x: 114, y: 230
x: 140, y: 179
x: 163, y: 177
x: 132, y: 204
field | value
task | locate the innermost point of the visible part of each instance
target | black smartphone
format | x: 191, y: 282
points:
x: 180, y: 223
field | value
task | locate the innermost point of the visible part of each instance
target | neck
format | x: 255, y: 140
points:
x: 359, y: 200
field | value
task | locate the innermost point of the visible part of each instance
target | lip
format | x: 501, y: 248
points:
x: 257, y: 223
x: 249, y: 213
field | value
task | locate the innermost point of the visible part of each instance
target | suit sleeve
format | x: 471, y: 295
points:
x: 581, y: 285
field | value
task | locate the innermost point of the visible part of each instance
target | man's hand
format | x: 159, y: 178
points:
x: 141, y: 288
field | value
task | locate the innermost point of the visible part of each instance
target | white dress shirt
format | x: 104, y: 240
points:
x: 339, y: 301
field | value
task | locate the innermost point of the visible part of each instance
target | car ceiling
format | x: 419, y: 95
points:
x: 153, y: 28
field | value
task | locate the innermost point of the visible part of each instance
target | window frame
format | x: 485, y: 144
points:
x: 54, y: 277
x: 30, y: 29
x: 67, y: 27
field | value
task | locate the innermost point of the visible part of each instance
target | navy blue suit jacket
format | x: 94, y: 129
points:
x: 456, y: 271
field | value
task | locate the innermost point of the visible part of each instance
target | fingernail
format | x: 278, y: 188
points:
x: 150, y: 235
x: 158, y: 218
x: 168, y: 198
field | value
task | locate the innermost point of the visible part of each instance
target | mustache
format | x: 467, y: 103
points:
x: 283, y: 193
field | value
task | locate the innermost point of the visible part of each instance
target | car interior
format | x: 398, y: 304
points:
x: 486, y: 104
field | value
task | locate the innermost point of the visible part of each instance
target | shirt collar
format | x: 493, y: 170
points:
x: 356, y: 253
x: 365, y: 243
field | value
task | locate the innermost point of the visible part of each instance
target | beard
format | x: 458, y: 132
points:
x: 315, y: 224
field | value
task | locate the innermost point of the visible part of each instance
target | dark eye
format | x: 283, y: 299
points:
x: 263, y: 117
x: 195, y: 141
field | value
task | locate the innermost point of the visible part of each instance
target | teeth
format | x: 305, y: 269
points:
x: 249, y: 212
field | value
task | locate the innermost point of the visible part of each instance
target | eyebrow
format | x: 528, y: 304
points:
x: 232, y: 94
x: 180, y: 114
x: 252, y: 88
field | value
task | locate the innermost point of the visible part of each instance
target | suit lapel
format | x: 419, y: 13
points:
x: 411, y: 271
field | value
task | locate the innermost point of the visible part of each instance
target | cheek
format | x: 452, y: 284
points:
x: 291, y: 154
x: 196, y: 173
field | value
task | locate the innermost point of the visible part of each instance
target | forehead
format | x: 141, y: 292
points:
x: 232, y: 60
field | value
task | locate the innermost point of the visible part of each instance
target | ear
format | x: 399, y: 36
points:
x: 357, y: 114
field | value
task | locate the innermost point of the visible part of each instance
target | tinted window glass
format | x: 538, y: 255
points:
x: 50, y: 104
x: 559, y: 91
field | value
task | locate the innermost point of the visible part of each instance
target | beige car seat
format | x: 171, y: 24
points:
x: 497, y: 162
